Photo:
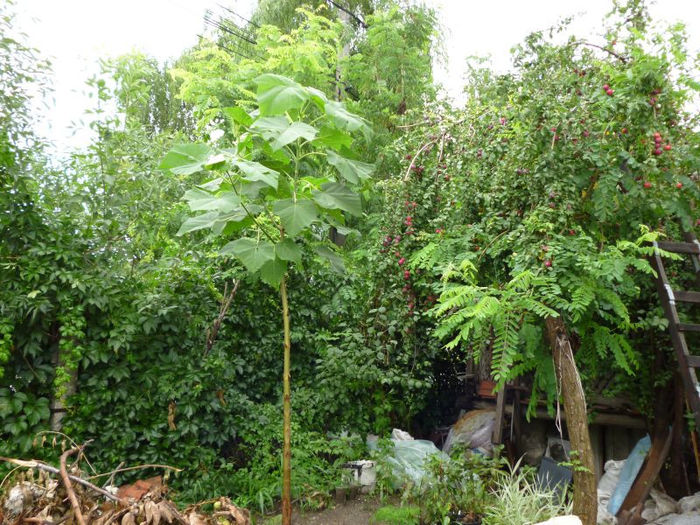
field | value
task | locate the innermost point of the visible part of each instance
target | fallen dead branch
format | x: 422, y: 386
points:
x: 69, y: 488
x: 36, y: 464
x: 46, y: 501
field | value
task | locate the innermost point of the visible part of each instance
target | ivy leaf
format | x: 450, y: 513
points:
x: 253, y: 254
x: 287, y: 250
x: 295, y: 215
x: 273, y: 271
x: 199, y: 222
x: 336, y: 196
x: 278, y: 94
x: 256, y: 172
x: 186, y: 159
x: 200, y: 200
x: 351, y: 170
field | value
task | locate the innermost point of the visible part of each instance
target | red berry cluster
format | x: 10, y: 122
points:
x: 608, y: 90
x: 658, y: 140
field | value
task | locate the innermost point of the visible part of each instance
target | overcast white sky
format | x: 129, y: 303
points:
x: 76, y: 33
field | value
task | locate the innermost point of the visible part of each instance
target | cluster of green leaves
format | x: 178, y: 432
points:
x: 276, y: 179
x: 532, y: 199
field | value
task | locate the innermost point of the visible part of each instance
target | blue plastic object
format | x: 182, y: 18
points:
x: 628, y: 474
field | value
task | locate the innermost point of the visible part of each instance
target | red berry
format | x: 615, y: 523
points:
x: 438, y: 230
x: 548, y: 263
x: 679, y: 185
x: 586, y: 133
x: 624, y: 131
x: 402, y: 261
x: 572, y: 232
x: 606, y: 87
x: 647, y: 184
x: 406, y: 274
x: 657, y: 151
x: 408, y: 156
x: 667, y: 147
x: 610, y: 92
x: 553, y: 130
x: 657, y: 135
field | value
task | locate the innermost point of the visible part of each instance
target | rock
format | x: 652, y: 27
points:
x: 401, y: 435
x: 689, y: 503
x: 473, y: 429
x: 562, y: 520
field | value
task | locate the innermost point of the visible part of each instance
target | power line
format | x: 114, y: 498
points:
x: 239, y: 16
x: 347, y: 11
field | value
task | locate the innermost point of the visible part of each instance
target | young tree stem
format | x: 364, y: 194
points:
x: 287, y: 404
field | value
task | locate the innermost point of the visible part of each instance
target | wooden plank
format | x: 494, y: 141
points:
x: 679, y: 247
x: 617, y: 420
x: 688, y: 327
x: 693, y: 360
x: 686, y: 296
x: 647, y: 476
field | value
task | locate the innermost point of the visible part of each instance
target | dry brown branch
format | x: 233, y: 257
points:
x: 53, y: 470
x: 226, y: 301
x: 137, y: 467
x: 69, y: 488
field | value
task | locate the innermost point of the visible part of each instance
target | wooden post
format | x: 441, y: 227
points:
x: 585, y: 490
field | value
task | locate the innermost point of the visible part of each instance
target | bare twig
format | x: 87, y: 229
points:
x: 413, y: 159
x: 53, y: 470
x: 69, y: 488
x: 607, y: 50
x: 137, y: 467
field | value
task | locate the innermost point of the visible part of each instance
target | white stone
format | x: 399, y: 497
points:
x: 562, y: 520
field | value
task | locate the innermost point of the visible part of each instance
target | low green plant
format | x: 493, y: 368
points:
x: 518, y: 499
x: 392, y: 514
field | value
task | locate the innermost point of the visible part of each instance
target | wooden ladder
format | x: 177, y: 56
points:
x: 687, y: 362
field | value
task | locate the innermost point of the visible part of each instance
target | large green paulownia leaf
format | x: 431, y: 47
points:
x: 198, y: 222
x: 295, y: 215
x: 278, y: 94
x: 252, y: 253
x: 273, y: 271
x: 200, y: 200
x: 186, y: 159
x: 346, y: 120
x: 281, y: 132
x: 256, y: 172
x: 336, y: 196
x: 287, y: 250
x: 351, y: 170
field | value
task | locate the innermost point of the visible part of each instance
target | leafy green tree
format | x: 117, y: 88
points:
x: 283, y: 183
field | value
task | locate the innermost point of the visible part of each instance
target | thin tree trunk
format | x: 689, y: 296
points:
x: 585, y: 494
x: 287, y: 403
x: 60, y: 395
